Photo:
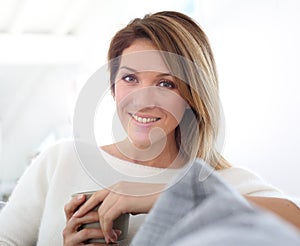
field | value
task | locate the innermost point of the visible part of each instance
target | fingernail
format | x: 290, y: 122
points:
x: 79, y: 197
x: 118, y: 232
x: 109, y: 240
x: 114, y: 237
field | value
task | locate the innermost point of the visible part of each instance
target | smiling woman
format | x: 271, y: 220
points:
x: 142, y: 106
x: 164, y: 83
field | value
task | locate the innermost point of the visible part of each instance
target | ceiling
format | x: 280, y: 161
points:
x: 44, y: 17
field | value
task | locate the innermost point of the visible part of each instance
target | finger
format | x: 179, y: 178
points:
x: 74, y: 223
x: 107, y: 224
x: 94, y: 200
x: 100, y: 244
x: 73, y: 205
x: 81, y: 237
x: 88, y: 233
x: 96, y: 244
x: 106, y: 205
x: 110, y: 210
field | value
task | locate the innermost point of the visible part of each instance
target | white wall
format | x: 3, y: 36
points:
x: 256, y: 44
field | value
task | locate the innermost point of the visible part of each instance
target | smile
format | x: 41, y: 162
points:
x: 144, y: 120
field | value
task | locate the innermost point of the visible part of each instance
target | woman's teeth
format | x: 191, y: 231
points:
x: 144, y: 120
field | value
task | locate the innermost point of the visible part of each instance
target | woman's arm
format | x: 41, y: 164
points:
x: 284, y: 208
x: 20, y: 218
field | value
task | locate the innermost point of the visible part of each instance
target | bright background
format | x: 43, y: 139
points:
x: 49, y: 48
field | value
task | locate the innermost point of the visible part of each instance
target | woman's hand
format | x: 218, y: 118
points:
x: 71, y: 235
x: 284, y: 208
x: 121, y: 198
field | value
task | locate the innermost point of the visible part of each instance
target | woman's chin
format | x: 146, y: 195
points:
x: 141, y: 144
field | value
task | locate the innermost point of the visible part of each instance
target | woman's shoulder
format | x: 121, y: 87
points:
x: 57, y: 149
x: 247, y: 182
x: 61, y: 145
x: 235, y: 174
x: 52, y: 156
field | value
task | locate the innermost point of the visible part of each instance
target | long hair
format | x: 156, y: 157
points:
x: 178, y: 34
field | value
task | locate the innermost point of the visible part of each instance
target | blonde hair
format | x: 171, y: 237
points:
x: 178, y: 34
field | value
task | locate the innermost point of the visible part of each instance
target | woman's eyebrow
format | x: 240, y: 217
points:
x: 136, y: 71
x: 128, y: 68
x: 164, y: 74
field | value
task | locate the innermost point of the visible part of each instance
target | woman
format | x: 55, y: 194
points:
x: 161, y: 134
x: 175, y: 33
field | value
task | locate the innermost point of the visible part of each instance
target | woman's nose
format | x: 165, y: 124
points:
x: 145, y: 97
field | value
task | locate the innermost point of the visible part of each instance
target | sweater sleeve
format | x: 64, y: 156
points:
x: 21, y: 216
x: 248, y: 183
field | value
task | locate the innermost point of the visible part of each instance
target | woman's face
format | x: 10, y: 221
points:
x: 148, y: 101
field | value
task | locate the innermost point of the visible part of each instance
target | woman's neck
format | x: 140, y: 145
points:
x: 160, y: 154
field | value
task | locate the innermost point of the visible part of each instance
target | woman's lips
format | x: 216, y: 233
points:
x: 144, y: 119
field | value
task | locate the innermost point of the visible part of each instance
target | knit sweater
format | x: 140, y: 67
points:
x: 34, y: 214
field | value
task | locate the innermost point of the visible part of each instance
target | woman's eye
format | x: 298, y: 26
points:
x: 167, y: 84
x: 129, y: 78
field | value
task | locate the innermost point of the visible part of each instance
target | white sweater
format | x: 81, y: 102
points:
x: 35, y: 211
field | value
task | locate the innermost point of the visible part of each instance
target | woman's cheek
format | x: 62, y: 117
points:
x: 121, y: 92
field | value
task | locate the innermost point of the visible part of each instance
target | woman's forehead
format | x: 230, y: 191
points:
x: 147, y: 60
